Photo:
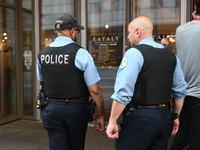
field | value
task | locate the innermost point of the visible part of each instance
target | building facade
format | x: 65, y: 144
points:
x: 27, y: 26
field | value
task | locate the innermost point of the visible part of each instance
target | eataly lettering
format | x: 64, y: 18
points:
x: 105, y: 39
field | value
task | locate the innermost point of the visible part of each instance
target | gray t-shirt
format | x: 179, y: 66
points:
x: 188, y: 51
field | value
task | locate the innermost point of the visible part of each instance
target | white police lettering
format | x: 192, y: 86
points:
x: 55, y: 59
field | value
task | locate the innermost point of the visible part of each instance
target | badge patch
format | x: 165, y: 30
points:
x: 123, y: 63
x: 90, y: 56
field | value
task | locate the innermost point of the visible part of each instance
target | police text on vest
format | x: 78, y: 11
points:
x: 55, y: 59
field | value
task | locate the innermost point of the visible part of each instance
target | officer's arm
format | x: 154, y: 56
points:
x: 112, y: 129
x: 39, y: 71
x: 96, y: 95
x: 116, y: 110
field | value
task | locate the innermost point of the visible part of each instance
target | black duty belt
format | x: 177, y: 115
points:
x: 152, y: 106
x: 69, y: 100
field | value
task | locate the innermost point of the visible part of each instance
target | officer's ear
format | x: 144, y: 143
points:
x: 72, y: 34
x: 137, y: 32
x: 72, y: 31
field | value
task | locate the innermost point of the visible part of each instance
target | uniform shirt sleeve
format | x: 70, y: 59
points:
x: 127, y: 76
x: 39, y: 71
x: 179, y: 85
x: 85, y: 63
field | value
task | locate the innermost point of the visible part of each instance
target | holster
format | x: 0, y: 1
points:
x: 41, y: 101
x: 128, y: 109
x: 91, y: 109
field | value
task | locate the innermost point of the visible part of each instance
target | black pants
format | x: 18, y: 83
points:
x: 66, y: 125
x: 189, y: 130
x: 145, y: 129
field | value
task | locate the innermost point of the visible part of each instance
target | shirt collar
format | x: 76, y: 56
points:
x: 146, y: 40
x: 150, y: 41
x: 61, y: 41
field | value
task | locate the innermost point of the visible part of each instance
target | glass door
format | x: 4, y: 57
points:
x: 8, y: 74
x: 105, y: 31
x: 105, y: 41
x: 28, y: 62
x: 27, y: 36
x: 165, y: 16
x: 50, y: 11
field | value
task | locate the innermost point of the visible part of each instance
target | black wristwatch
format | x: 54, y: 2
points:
x: 174, y: 116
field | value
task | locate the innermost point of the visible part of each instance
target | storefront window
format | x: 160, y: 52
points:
x: 165, y: 16
x: 8, y: 90
x: 27, y: 4
x: 51, y: 10
x: 105, y: 31
x: 27, y: 35
x: 8, y: 1
x: 105, y: 41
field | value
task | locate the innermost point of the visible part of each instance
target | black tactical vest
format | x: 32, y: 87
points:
x: 154, y: 82
x: 61, y: 78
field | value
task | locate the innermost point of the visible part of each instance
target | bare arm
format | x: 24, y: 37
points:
x: 96, y: 95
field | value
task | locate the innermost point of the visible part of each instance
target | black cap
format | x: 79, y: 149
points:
x: 67, y: 22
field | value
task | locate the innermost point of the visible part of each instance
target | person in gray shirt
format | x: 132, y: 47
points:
x: 188, y: 51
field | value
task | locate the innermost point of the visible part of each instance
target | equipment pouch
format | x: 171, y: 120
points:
x: 128, y: 109
x: 120, y: 120
x: 41, y: 101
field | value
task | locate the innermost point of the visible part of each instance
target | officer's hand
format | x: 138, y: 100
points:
x: 176, y: 126
x: 100, y: 124
x: 112, y: 131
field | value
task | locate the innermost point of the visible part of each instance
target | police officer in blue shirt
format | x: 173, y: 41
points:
x: 69, y: 77
x: 149, y: 73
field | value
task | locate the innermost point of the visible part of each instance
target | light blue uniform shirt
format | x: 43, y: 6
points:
x: 129, y: 69
x: 83, y: 61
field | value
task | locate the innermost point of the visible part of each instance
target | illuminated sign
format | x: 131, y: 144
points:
x: 164, y: 38
x: 105, y: 38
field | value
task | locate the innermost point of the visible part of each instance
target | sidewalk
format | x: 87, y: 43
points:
x: 30, y: 135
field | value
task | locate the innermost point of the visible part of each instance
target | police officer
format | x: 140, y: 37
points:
x: 69, y: 76
x: 148, y: 74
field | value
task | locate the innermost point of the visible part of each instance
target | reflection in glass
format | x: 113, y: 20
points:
x: 27, y: 64
x: 105, y: 31
x: 8, y: 1
x: 51, y: 10
x: 27, y: 4
x: 165, y: 16
x: 104, y: 37
x: 8, y: 96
